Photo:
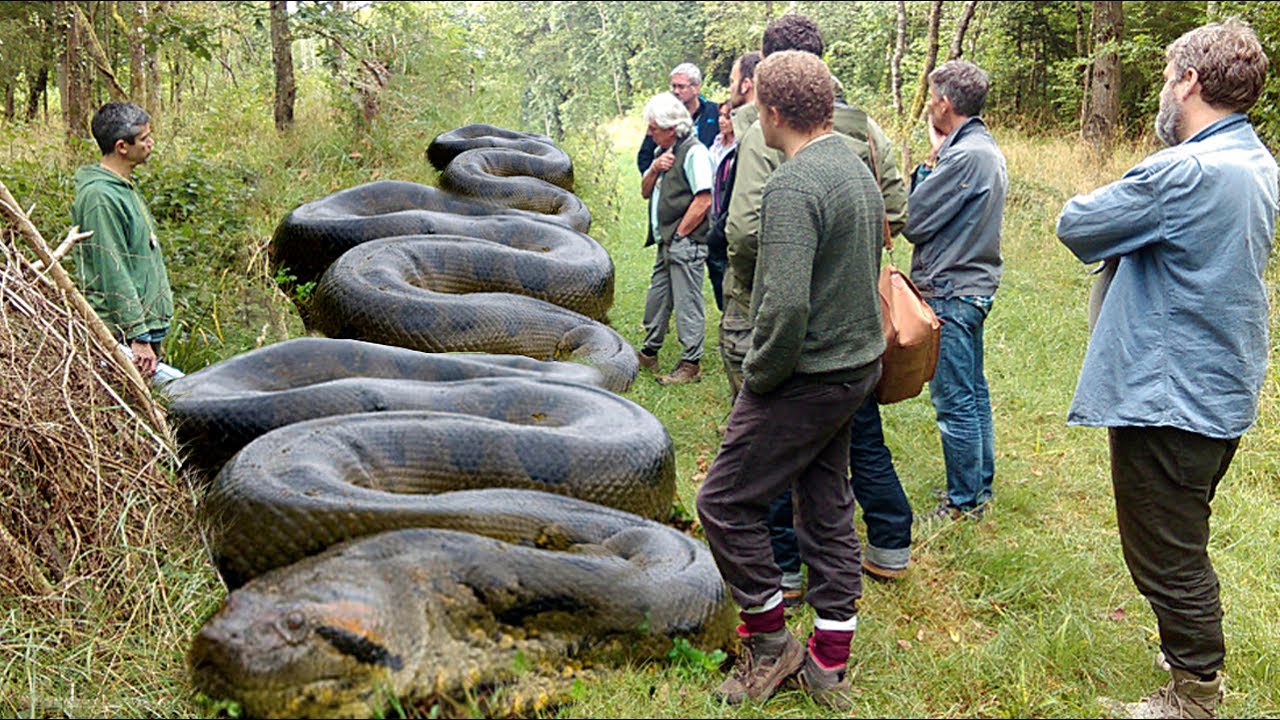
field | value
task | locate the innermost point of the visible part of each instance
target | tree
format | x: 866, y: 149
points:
x: 957, y: 43
x: 282, y: 58
x: 73, y: 82
x: 899, y: 47
x: 930, y: 59
x: 1101, y: 111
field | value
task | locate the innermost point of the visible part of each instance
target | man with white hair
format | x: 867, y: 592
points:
x: 677, y: 185
x: 686, y: 86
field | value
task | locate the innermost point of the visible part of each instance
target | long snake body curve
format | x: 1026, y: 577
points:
x: 408, y: 526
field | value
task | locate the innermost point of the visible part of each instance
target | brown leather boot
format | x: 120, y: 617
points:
x: 647, y: 361
x: 683, y: 372
x: 766, y: 661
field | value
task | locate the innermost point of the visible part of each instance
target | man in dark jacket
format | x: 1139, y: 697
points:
x: 120, y: 267
x: 686, y: 85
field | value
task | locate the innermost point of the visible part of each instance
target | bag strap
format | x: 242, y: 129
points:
x: 875, y: 170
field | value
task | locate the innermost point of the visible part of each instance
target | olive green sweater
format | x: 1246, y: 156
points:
x: 815, y: 308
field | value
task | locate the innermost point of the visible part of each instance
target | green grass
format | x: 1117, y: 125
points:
x: 1028, y: 613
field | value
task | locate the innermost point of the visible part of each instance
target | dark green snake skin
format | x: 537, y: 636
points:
x: 407, y: 525
x: 497, y: 264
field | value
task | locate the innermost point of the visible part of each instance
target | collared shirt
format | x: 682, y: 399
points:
x: 1181, y: 339
x: 697, y: 171
x: 954, y: 216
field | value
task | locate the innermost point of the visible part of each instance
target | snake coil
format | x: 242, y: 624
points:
x: 409, y: 523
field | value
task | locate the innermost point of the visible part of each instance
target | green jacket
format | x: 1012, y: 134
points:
x: 815, y: 309
x: 120, y: 268
x: 756, y: 162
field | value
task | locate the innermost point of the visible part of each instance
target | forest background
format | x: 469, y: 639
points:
x: 261, y: 106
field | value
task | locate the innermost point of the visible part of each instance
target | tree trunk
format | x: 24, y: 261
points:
x: 99, y: 56
x: 151, y: 63
x: 72, y: 71
x: 1099, y: 125
x: 135, y: 32
x: 39, y: 86
x: 957, y: 43
x: 282, y: 57
x: 895, y: 66
x: 930, y: 59
x: 1082, y: 53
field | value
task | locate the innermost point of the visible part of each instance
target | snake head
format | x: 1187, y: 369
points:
x: 284, y: 654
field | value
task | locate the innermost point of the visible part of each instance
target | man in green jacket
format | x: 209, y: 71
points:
x: 756, y: 162
x: 120, y: 267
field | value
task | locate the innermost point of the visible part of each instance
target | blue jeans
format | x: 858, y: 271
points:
x: 962, y: 403
x: 876, y: 488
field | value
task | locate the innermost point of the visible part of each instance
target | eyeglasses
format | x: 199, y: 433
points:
x: 680, y: 86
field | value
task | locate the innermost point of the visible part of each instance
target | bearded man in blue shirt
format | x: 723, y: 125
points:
x: 1178, y: 354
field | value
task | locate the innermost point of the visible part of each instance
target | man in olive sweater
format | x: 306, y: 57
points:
x: 814, y: 357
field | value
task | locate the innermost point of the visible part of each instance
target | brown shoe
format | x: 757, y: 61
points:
x: 828, y: 687
x: 767, y: 660
x: 683, y: 372
x: 1184, y: 696
x: 647, y: 361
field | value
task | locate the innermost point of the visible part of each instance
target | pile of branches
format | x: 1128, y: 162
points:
x: 89, y: 492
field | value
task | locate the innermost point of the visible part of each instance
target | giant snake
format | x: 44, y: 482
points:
x: 398, y: 526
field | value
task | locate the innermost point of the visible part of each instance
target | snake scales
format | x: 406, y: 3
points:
x: 406, y: 526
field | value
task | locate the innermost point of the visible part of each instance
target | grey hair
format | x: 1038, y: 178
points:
x: 690, y: 71
x: 963, y: 83
x: 666, y: 111
x: 117, y: 121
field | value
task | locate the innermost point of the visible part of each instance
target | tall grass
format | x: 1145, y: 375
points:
x: 1027, y: 613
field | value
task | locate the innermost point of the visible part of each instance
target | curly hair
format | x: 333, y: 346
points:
x: 1228, y: 59
x: 791, y: 32
x: 799, y: 85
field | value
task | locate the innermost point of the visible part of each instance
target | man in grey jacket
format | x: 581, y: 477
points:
x: 954, y: 215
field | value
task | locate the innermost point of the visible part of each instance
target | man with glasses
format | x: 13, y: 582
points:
x: 686, y: 85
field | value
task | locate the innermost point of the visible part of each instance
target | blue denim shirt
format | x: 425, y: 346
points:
x: 1181, y: 338
x: 954, y: 216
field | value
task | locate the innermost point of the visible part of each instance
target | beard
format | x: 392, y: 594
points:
x: 1168, y: 121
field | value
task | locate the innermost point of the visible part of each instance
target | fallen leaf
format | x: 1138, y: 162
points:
x: 1116, y: 615
x: 904, y: 644
x: 954, y: 635
x: 920, y: 635
x: 355, y: 155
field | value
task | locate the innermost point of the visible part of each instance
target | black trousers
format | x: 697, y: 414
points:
x: 1164, y: 480
x: 796, y: 436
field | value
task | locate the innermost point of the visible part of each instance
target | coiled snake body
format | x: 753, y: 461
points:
x: 406, y: 525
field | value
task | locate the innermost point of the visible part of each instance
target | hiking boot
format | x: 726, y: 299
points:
x: 766, y: 661
x: 683, y: 372
x: 829, y: 687
x: 647, y: 361
x: 1184, y: 696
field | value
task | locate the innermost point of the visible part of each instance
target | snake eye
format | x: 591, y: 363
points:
x: 294, y: 621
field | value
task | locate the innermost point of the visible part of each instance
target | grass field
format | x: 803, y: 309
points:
x: 1028, y: 613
